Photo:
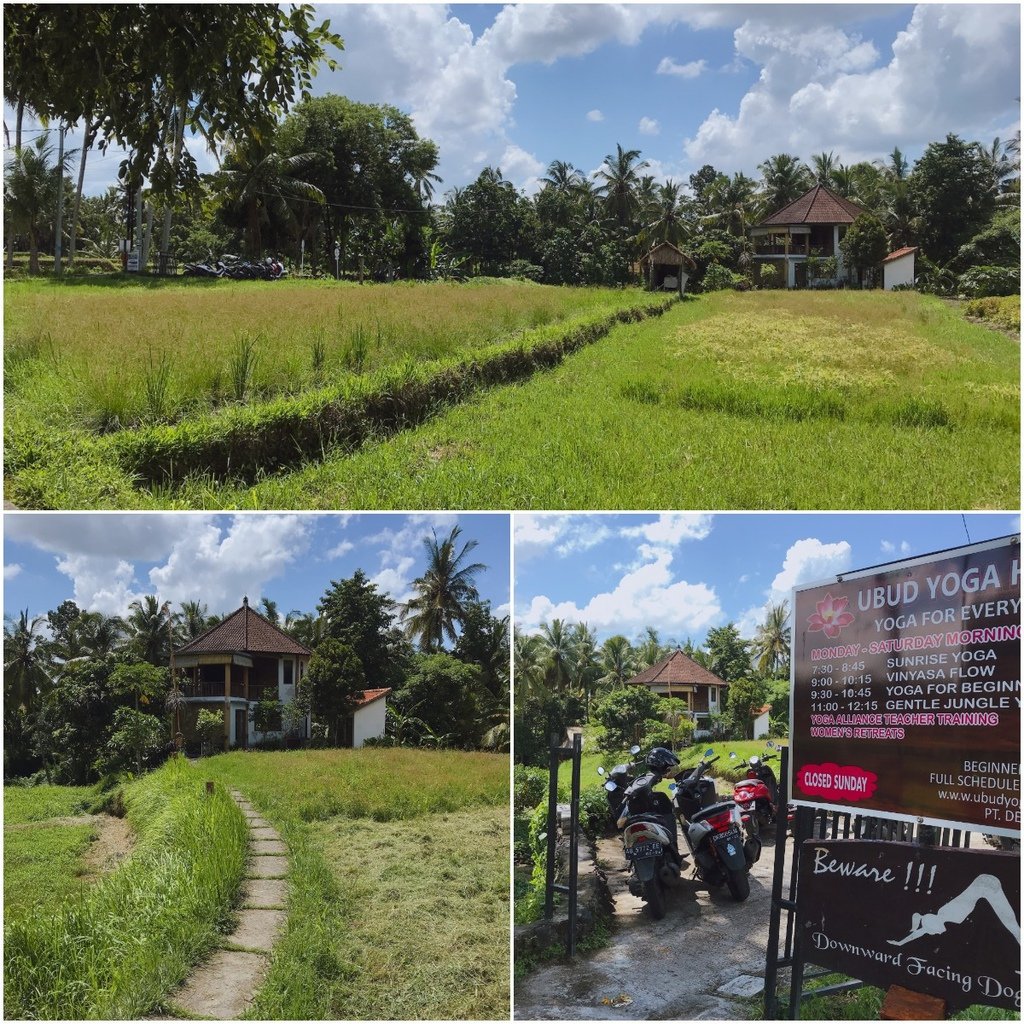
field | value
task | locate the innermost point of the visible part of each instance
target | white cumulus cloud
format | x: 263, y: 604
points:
x: 648, y: 126
x: 692, y: 69
x: 672, y: 528
x: 595, y: 115
x: 11, y: 570
x: 806, y: 561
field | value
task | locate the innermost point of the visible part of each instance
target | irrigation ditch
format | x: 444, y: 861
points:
x: 245, y: 443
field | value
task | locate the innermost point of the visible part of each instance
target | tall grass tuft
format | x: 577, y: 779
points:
x: 318, y: 358
x: 118, y: 952
x: 158, y: 384
x: 358, y: 348
x: 242, y: 365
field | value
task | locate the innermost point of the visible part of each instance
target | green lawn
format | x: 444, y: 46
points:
x: 399, y: 881
x: 758, y: 400
x: 43, y: 854
x: 754, y: 400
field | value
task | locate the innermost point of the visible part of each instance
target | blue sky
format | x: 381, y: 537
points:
x: 520, y: 86
x: 684, y: 573
x: 104, y: 561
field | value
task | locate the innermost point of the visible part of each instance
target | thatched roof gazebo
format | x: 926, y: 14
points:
x: 666, y: 268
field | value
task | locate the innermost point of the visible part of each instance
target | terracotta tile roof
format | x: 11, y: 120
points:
x: 369, y: 696
x: 905, y: 251
x: 677, y: 670
x: 244, y: 631
x: 818, y: 206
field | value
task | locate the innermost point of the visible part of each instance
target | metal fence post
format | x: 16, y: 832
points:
x: 574, y: 852
x: 771, y: 969
x: 549, y: 872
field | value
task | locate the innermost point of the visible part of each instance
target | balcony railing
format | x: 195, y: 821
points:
x: 212, y: 689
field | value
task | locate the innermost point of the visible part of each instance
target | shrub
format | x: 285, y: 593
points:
x: 1001, y: 311
x: 530, y: 785
x: 525, y: 270
x: 983, y: 281
x: 768, y: 275
x: 716, y: 278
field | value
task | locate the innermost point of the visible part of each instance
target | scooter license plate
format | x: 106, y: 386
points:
x: 643, y: 850
x: 730, y: 836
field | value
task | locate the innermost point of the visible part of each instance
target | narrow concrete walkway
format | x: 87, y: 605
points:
x: 224, y: 986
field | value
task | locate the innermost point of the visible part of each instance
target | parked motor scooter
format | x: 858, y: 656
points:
x: 758, y: 793
x: 723, y: 841
x: 622, y: 776
x: 649, y: 836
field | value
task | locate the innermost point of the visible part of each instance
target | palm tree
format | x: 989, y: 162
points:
x: 27, y: 662
x: 528, y: 664
x: 671, y: 221
x: 785, y: 179
x: 732, y: 203
x: 148, y: 624
x: 31, y: 182
x: 823, y: 167
x: 308, y: 628
x: 556, y: 644
x: 443, y: 593
x: 620, y: 175
x: 270, y: 610
x: 586, y: 666
x: 262, y: 186
x: 100, y: 635
x: 193, y: 620
x: 650, y: 650
x: 772, y: 640
x: 618, y: 661
x: 562, y: 177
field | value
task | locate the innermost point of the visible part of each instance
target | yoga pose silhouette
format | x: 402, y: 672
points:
x: 958, y: 909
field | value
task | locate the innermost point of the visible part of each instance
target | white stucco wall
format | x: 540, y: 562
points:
x: 368, y: 721
x: 899, y: 271
x: 761, y: 726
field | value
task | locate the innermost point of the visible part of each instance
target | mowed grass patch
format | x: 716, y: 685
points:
x: 727, y: 401
x: 102, y: 358
x: 360, y: 882
x: 35, y: 803
x: 118, y: 951
x: 43, y: 867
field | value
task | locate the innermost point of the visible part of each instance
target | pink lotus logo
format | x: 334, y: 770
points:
x: 830, y: 616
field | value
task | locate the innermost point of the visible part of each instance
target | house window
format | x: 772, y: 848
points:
x: 289, y: 672
x: 714, y: 694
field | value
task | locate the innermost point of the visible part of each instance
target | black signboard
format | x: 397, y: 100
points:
x: 906, y: 689
x: 941, y: 921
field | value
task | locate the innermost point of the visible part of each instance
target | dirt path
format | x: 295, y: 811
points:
x: 659, y: 970
x: 113, y: 843
x: 224, y: 986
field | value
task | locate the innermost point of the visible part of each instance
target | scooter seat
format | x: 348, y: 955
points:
x: 710, y: 812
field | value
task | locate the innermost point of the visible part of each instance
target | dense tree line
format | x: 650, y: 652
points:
x: 564, y: 677
x: 88, y: 694
x: 299, y: 175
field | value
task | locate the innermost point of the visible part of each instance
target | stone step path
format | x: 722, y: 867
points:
x: 224, y: 986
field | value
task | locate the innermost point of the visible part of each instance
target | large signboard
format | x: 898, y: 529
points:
x: 940, y: 921
x: 906, y: 690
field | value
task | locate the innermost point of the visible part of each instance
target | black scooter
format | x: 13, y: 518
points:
x: 723, y: 841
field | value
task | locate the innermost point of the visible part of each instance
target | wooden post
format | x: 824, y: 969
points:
x: 903, y: 1004
x: 227, y: 706
x: 209, y: 787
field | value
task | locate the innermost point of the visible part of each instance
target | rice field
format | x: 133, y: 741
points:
x: 575, y: 398
x: 105, y: 357
x: 758, y: 400
x: 399, y: 899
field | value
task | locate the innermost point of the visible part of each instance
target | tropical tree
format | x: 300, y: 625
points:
x: 334, y: 681
x: 784, y: 179
x: 772, y: 640
x: 864, y: 245
x: 618, y: 662
x: 732, y: 204
x: 671, y: 222
x: 262, y: 187
x: 729, y: 652
x: 31, y: 183
x: 528, y: 661
x: 823, y: 167
x: 270, y: 610
x: 149, y: 625
x: 193, y: 620
x: 444, y: 593
x: 27, y: 664
x: 557, y: 646
x: 100, y: 635
x: 586, y: 664
x: 650, y: 650
x: 562, y: 177
x: 620, y: 179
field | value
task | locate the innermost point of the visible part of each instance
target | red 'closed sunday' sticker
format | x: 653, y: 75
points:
x: 835, y: 782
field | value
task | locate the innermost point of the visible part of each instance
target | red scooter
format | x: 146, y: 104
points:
x: 758, y: 794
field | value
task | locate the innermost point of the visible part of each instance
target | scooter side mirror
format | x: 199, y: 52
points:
x: 610, y: 786
x: 600, y: 770
x: 672, y: 787
x: 732, y: 755
x: 709, y: 752
x: 755, y: 760
x: 634, y: 749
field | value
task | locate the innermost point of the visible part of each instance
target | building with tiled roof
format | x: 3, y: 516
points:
x: 811, y: 226
x: 898, y: 268
x: 680, y: 676
x: 245, y: 659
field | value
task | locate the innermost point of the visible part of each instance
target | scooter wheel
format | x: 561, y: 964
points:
x: 655, y: 899
x: 739, y: 884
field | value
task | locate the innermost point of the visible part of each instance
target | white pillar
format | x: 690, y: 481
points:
x: 835, y: 250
